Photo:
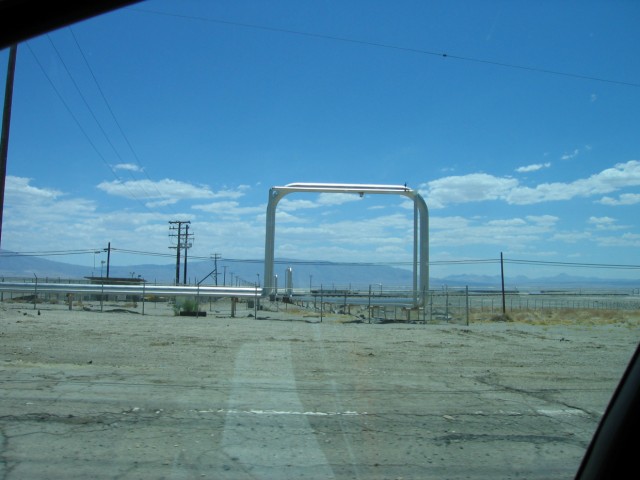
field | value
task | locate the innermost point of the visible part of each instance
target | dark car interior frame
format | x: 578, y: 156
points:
x: 613, y: 449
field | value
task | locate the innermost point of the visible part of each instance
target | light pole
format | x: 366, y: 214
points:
x: 258, y: 279
x: 94, y: 262
x: 310, y: 279
x: 102, y: 265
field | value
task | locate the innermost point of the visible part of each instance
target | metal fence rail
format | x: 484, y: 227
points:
x: 36, y: 288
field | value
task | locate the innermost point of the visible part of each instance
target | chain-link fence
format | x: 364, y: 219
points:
x: 456, y: 305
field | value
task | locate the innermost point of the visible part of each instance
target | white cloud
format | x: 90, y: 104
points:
x: 285, y: 217
x: 20, y: 189
x: 28, y: 205
x: 477, y: 187
x: 625, y: 240
x: 167, y: 191
x: 446, y: 223
x: 131, y: 167
x: 325, y: 199
x: 624, y: 199
x: 162, y: 189
x: 288, y: 205
x: 543, y: 220
x: 474, y: 187
x: 601, y: 220
x: 605, y: 223
x: 162, y: 203
x: 570, y: 156
x: 571, y: 237
x: 229, y: 208
x: 534, y: 167
x: 517, y: 232
x: 322, y: 200
x: 231, y: 193
x: 511, y: 222
x: 611, y: 179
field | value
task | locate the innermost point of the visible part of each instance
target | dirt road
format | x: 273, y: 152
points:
x: 122, y: 395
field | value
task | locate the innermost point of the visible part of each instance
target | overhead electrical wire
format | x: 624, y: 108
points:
x: 113, y: 115
x: 116, y: 176
x: 73, y: 116
x: 390, y: 46
x: 49, y: 253
x: 98, y: 123
x: 328, y: 263
x: 573, y: 264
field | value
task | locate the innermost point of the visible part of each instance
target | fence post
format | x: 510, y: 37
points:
x: 466, y: 290
x: 35, y: 296
x: 446, y: 304
x: 431, y: 307
x: 424, y: 305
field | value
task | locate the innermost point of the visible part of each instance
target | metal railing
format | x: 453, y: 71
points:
x: 129, y: 289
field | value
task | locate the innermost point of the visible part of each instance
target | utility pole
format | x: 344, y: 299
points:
x: 187, y: 245
x: 177, y: 225
x: 6, y: 120
x: 108, y: 250
x: 216, y: 257
x: 504, y: 304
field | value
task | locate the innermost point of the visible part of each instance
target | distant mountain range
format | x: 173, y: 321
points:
x: 305, y: 273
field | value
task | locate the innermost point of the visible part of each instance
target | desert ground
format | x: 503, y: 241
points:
x: 115, y: 394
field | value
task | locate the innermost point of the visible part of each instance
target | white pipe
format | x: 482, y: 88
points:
x: 168, y: 290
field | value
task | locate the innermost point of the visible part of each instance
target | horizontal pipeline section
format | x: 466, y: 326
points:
x: 160, y: 290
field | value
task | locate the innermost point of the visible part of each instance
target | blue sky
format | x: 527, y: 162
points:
x: 524, y: 139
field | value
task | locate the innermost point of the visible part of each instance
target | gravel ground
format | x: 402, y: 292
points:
x: 118, y: 394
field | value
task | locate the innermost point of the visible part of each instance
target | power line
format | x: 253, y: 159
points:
x: 575, y: 265
x: 84, y: 99
x: 95, y: 118
x: 82, y: 129
x: 390, y: 46
x: 325, y: 263
x: 113, y: 115
x: 75, y: 119
x: 48, y: 253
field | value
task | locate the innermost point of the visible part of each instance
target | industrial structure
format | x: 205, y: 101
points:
x: 420, y: 228
x: 106, y: 286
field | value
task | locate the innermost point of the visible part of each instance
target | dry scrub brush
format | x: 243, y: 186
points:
x: 567, y: 316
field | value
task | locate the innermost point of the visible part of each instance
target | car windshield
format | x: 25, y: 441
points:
x: 301, y: 239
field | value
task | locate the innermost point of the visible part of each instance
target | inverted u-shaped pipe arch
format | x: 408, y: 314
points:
x: 420, y: 228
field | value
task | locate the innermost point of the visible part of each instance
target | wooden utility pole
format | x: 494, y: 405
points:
x: 186, y: 245
x: 6, y: 121
x: 504, y: 303
x: 108, y: 257
x: 177, y: 225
